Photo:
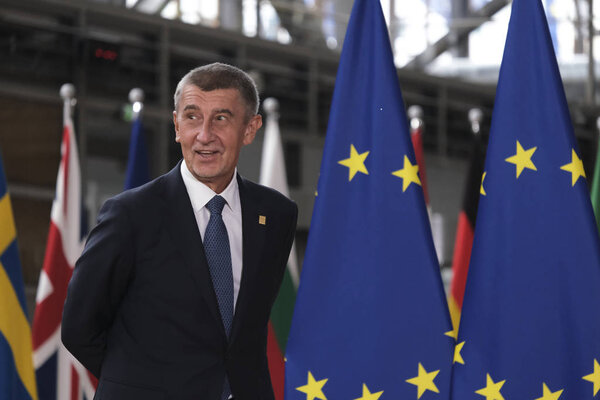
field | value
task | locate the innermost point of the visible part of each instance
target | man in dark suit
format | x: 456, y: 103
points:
x: 172, y: 294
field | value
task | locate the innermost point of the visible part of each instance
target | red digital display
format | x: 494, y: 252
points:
x: 104, y: 54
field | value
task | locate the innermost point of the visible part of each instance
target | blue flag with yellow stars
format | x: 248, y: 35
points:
x: 371, y: 315
x: 530, y: 327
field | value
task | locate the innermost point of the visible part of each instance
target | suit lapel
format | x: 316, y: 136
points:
x: 253, y: 236
x: 181, y: 223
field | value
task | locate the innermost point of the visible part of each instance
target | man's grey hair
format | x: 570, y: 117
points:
x: 221, y: 76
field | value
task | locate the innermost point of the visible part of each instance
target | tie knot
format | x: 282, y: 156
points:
x: 215, y: 205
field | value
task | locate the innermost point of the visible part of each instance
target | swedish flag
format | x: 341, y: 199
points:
x: 16, y: 361
x: 371, y: 316
x: 530, y: 327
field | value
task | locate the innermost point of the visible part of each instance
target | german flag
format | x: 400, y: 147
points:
x: 465, y: 230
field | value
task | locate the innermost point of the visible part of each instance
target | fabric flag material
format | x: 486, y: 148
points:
x: 465, y: 230
x: 530, y: 326
x: 596, y: 188
x: 273, y: 175
x: 17, y: 380
x: 371, y: 313
x: 137, y: 164
x: 59, y: 375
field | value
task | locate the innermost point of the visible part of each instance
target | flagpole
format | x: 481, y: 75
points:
x: 271, y: 107
x: 417, y: 130
x: 136, y: 97
x: 415, y: 113
x: 67, y: 93
x: 475, y: 117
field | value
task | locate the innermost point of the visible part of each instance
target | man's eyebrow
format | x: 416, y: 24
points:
x: 191, y: 107
x: 223, y: 111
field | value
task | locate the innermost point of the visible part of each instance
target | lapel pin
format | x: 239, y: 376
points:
x: 262, y: 220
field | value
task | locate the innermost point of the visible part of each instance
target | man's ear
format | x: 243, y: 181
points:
x: 176, y: 123
x: 251, y: 128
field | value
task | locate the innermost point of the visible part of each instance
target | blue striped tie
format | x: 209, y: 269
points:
x: 218, y: 255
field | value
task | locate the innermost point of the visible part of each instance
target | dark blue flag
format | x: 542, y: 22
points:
x: 371, y: 316
x: 530, y: 327
x: 137, y: 165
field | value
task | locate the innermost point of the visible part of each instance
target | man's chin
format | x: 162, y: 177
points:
x: 211, y: 178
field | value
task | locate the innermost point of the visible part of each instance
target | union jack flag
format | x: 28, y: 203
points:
x: 59, y: 375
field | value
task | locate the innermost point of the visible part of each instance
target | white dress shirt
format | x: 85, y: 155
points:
x: 199, y: 195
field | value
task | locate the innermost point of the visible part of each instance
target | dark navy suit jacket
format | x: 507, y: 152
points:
x: 141, y: 312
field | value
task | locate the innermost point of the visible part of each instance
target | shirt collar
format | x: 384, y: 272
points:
x: 200, y: 194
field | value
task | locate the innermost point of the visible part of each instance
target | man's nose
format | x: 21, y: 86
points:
x: 204, y: 134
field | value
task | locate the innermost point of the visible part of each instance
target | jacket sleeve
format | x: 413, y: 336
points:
x: 284, y: 254
x: 98, y: 284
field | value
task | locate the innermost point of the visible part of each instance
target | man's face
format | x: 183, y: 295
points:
x: 212, y: 127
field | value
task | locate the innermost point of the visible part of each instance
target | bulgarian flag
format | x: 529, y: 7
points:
x: 465, y: 231
x: 272, y: 174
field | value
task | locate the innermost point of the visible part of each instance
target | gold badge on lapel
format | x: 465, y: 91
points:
x: 262, y: 220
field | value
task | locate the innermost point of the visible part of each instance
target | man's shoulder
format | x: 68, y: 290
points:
x: 265, y: 194
x: 148, y: 192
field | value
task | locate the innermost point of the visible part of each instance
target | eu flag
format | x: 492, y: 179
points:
x: 371, y: 316
x: 137, y: 165
x: 530, y: 327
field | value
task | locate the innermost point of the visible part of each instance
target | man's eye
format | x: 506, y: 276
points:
x: 191, y: 116
x: 221, y: 117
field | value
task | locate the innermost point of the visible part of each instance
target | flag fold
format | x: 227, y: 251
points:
x: 530, y: 324
x: 371, y: 314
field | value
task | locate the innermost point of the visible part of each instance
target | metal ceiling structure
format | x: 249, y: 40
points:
x: 106, y: 49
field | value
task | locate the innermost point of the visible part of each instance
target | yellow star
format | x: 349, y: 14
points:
x: 453, y: 333
x: 548, y: 395
x: 575, y: 167
x: 522, y: 159
x: 594, y: 377
x: 313, y: 388
x: 424, y: 381
x: 491, y: 391
x: 457, y: 356
x: 355, y: 163
x: 409, y: 174
x: 367, y: 395
x: 482, y: 190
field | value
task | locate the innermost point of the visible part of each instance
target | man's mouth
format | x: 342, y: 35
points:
x: 206, y: 153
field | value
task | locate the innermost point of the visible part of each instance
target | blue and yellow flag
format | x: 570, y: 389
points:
x: 371, y: 316
x: 530, y: 327
x: 17, y: 380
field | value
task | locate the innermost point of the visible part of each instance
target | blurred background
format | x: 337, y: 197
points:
x: 448, y: 54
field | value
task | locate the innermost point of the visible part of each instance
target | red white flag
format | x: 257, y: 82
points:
x: 273, y: 175
x: 59, y: 375
x: 416, y: 135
